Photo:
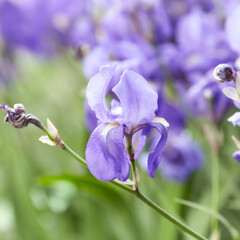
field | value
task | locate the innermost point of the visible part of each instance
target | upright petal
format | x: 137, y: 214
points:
x: 106, y: 156
x: 138, y: 99
x: 155, y: 156
x: 96, y: 91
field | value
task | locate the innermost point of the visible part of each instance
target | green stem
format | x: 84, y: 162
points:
x: 215, y: 188
x: 67, y: 149
x: 135, y: 177
x: 143, y: 198
x: 169, y: 217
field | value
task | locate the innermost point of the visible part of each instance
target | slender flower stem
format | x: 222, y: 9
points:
x: 215, y: 147
x: 135, y: 177
x: 213, y: 137
x: 165, y: 214
x: 215, y: 188
x: 143, y: 198
x: 67, y: 149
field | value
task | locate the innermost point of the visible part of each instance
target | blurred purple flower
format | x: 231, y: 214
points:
x: 201, y: 41
x: 236, y: 155
x: 172, y: 112
x: 132, y: 110
x: 232, y: 29
x: 206, y: 98
x: 60, y: 24
x: 182, y: 156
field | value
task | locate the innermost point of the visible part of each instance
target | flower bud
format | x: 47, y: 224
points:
x: 224, y: 73
x: 15, y: 116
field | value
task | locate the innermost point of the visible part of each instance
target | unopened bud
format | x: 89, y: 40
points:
x: 224, y: 73
x: 15, y: 116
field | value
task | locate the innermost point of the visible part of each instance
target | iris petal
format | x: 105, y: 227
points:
x: 96, y: 92
x: 155, y: 156
x: 137, y: 98
x: 106, y: 156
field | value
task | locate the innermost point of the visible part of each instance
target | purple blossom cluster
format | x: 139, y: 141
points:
x: 173, y: 45
x: 44, y: 27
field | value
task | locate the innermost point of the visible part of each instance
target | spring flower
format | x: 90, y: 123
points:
x: 119, y: 137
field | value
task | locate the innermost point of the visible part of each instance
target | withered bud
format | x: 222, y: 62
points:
x: 15, y: 116
x: 224, y: 73
x: 18, y: 118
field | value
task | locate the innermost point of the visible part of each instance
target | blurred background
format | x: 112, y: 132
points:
x: 49, y: 51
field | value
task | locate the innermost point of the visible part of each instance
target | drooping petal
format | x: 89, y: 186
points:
x: 96, y: 91
x: 231, y: 93
x: 235, y: 119
x: 182, y: 157
x: 137, y: 98
x: 106, y: 156
x: 236, y: 155
x: 155, y: 156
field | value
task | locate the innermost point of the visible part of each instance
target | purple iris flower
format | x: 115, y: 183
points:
x: 201, y: 42
x: 119, y: 137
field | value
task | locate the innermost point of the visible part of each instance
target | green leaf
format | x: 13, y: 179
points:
x: 102, y: 190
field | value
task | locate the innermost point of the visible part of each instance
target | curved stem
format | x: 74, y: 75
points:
x: 67, y: 149
x: 215, y: 188
x: 144, y: 199
x: 169, y: 217
x: 212, y: 135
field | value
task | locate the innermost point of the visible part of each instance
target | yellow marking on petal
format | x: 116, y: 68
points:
x: 109, y: 127
x: 161, y: 120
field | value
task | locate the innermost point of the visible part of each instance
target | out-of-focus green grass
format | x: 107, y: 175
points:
x: 56, y: 209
